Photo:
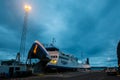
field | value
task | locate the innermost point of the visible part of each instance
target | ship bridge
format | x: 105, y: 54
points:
x: 38, y: 51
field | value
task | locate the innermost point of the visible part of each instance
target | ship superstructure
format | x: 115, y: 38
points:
x: 60, y: 60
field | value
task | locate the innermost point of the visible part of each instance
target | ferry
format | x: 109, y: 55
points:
x: 51, y: 58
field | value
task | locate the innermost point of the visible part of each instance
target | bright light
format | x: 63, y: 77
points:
x: 53, y: 61
x: 35, y: 49
x: 27, y: 8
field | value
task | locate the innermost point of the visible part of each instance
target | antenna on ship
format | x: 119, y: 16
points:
x: 53, y: 42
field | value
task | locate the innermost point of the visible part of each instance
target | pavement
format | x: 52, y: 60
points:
x: 71, y: 76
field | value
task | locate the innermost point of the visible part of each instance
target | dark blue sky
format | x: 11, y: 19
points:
x: 87, y: 27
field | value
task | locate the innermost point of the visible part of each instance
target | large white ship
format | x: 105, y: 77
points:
x: 52, y: 58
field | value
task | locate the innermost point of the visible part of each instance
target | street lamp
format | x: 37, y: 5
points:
x: 27, y: 8
x: 21, y: 52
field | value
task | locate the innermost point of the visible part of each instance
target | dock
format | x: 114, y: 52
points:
x: 71, y: 76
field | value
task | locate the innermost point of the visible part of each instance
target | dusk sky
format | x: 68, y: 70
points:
x: 90, y: 28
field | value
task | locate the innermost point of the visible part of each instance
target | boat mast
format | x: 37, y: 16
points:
x: 53, y: 42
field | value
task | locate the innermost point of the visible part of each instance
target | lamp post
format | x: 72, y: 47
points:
x: 21, y: 52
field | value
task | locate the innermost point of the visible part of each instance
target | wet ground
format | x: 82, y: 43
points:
x: 71, y: 76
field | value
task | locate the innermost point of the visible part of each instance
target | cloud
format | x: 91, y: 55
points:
x: 91, y: 27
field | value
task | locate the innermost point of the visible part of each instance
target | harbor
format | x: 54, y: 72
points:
x: 71, y: 76
x: 59, y: 40
x: 47, y: 60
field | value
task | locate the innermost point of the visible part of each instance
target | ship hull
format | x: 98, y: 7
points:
x: 60, y: 68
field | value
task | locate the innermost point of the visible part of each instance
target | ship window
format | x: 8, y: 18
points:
x: 64, y: 62
x: 63, y: 58
x: 67, y: 55
x: 53, y: 56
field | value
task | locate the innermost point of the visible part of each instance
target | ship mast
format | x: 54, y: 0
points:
x: 53, y: 42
